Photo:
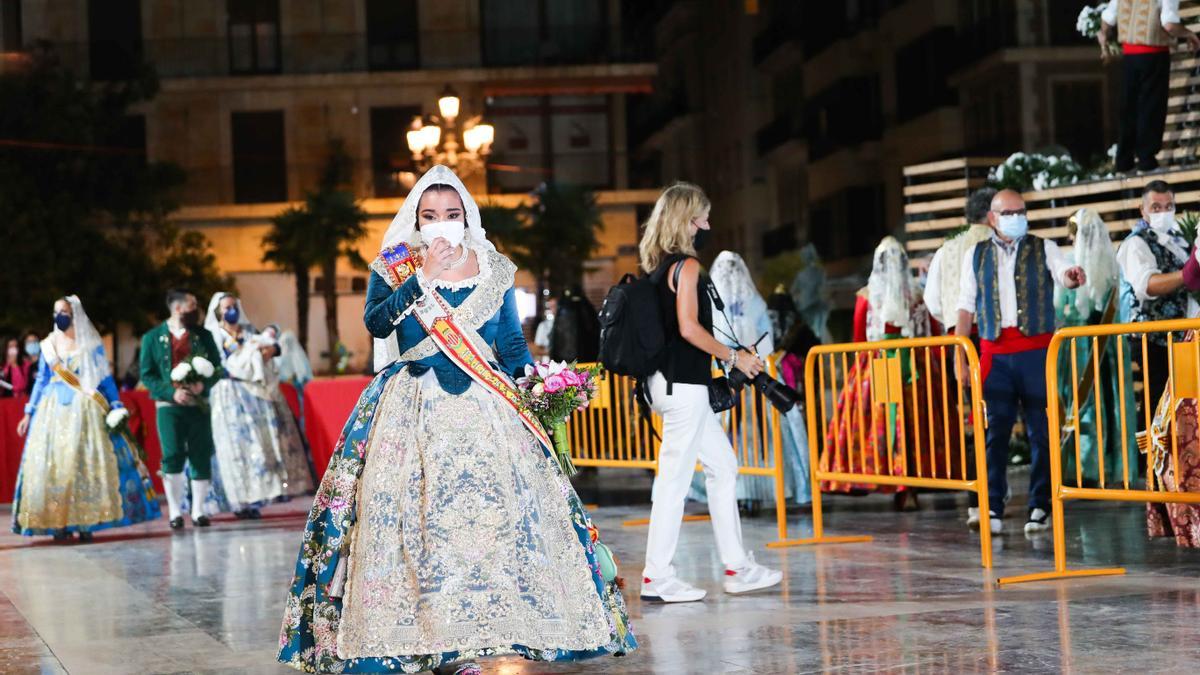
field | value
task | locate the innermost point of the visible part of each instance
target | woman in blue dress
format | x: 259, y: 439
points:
x: 443, y: 530
x: 77, y: 475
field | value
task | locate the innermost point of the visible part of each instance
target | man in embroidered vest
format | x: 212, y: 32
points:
x: 1152, y: 258
x: 1146, y: 30
x: 184, y: 427
x: 1008, y: 290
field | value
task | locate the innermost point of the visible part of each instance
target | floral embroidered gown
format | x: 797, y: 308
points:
x: 259, y: 454
x: 442, y: 530
x: 75, y: 476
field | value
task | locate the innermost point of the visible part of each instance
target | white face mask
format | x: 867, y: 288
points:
x: 1013, y: 226
x: 453, y: 231
x: 1163, y: 221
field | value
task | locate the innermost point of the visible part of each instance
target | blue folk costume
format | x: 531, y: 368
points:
x: 76, y: 474
x: 443, y: 530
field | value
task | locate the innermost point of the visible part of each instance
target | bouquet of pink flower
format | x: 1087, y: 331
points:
x: 551, y: 392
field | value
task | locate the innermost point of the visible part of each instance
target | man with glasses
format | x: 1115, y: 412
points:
x: 1008, y: 291
x: 1152, y: 259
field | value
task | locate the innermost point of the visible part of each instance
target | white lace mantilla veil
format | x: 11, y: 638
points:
x: 743, y: 303
x: 403, y: 229
x: 93, y: 363
x: 1094, y: 253
x: 888, y: 291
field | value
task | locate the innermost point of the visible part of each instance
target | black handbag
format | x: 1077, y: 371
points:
x: 720, y: 394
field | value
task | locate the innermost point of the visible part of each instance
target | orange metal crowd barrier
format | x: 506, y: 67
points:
x: 891, y: 414
x: 611, y: 432
x: 1097, y: 411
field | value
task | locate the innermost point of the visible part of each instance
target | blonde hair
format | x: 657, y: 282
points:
x: 666, y: 231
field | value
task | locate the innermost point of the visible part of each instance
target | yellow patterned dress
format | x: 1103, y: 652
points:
x: 75, y: 476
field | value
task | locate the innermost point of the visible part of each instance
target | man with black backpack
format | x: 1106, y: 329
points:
x: 658, y: 328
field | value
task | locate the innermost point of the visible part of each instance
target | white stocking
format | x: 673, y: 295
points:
x: 173, y: 485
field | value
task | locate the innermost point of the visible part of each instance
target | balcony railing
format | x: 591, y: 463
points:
x: 352, y: 52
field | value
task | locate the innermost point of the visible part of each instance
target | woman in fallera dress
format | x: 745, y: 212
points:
x: 443, y: 530
x: 76, y: 475
x: 259, y: 455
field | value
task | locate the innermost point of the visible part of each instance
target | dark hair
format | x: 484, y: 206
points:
x: 1158, y: 187
x: 21, y: 356
x: 177, y: 295
x: 30, y: 333
x: 978, y: 205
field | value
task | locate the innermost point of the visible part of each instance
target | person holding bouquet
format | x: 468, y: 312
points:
x: 79, y: 472
x: 254, y: 459
x: 184, y: 430
x: 444, y: 529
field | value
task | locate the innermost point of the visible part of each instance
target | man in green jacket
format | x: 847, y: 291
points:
x: 184, y: 426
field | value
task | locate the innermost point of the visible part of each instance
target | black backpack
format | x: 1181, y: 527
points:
x: 633, y: 337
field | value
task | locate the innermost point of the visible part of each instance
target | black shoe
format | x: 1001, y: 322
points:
x: 62, y: 535
x: 1146, y: 166
x: 254, y: 514
x: 85, y: 537
x: 202, y: 521
x: 177, y: 523
x: 241, y: 514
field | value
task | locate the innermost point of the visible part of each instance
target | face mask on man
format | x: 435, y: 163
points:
x: 1013, y: 226
x: 62, y: 321
x: 1162, y: 221
x: 190, y: 318
x: 453, y: 231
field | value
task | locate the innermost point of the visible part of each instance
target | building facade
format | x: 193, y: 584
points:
x: 799, y: 116
x: 253, y: 91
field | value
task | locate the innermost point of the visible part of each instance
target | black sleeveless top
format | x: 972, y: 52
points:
x: 684, y: 362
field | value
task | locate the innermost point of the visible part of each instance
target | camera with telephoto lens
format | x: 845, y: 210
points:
x: 783, y: 397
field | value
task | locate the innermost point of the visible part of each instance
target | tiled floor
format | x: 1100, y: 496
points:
x: 144, y: 600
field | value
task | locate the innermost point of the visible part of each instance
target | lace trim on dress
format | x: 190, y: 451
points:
x: 485, y: 272
x: 481, y: 305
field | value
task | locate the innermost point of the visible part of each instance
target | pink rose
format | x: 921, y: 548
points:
x: 573, y: 378
x: 555, y: 384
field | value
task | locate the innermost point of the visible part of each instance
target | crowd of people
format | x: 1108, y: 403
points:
x: 221, y: 417
x: 445, y: 530
x: 1009, y: 290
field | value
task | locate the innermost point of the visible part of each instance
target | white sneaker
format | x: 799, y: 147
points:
x: 671, y: 589
x: 752, y: 577
x: 973, y: 517
x: 996, y: 524
x: 1039, y: 521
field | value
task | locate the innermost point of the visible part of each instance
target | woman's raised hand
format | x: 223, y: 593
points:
x: 437, y: 258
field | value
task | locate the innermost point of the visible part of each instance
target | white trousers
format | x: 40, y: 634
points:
x: 691, y: 431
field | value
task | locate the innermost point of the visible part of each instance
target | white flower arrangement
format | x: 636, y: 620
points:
x: 1088, y: 23
x: 116, y: 418
x: 203, y: 366
x: 193, y: 369
x: 1024, y: 171
x: 181, y: 372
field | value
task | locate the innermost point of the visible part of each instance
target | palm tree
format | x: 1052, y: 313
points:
x: 551, y: 238
x: 319, y: 234
x: 288, y: 247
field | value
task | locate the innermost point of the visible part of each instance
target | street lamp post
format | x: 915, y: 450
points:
x: 437, y: 141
